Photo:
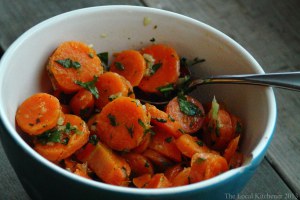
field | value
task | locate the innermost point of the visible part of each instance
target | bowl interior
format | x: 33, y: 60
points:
x: 111, y: 29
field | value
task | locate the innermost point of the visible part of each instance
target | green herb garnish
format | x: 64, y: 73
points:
x: 187, y: 107
x: 119, y: 66
x: 112, y: 120
x: 53, y: 135
x: 68, y: 63
x: 154, y: 68
x: 200, y: 160
x: 104, y: 59
x: 130, y: 130
x: 166, y: 89
x: 93, y: 139
x: 168, y: 139
x: 90, y: 86
x: 161, y: 120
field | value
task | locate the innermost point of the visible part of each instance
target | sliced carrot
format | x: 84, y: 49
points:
x: 189, y: 145
x: 123, y: 123
x: 172, y: 171
x: 144, y: 144
x: 139, y: 164
x: 73, y: 61
x: 206, y: 165
x: 236, y: 125
x: 76, y: 168
x: 231, y: 148
x: 81, y: 170
x: 39, y: 113
x: 82, y: 103
x: 188, y: 111
x: 159, y: 181
x: 160, y: 161
x: 92, y: 123
x: 64, y: 140
x: 217, y: 129
x: 142, y: 181
x: 130, y: 64
x: 161, y: 119
x: 164, y: 143
x: 162, y: 67
x: 65, y: 109
x: 107, y: 165
x: 110, y: 86
x: 236, y: 160
x: 182, y: 178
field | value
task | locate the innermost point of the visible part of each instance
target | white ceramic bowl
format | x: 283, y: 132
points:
x: 115, y: 28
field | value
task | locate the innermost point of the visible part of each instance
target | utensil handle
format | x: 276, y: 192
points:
x: 286, y: 80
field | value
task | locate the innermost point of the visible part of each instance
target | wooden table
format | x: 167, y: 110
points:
x: 268, y: 29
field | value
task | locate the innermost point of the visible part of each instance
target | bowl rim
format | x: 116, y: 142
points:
x: 257, y: 153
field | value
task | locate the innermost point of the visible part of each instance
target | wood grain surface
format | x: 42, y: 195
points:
x: 268, y: 29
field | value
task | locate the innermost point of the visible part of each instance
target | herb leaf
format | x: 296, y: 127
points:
x: 93, y: 139
x: 187, y: 107
x: 50, y: 136
x: 154, y: 68
x: 166, y: 89
x: 161, y: 120
x: 130, y: 130
x: 68, y: 63
x: 112, y: 120
x: 119, y: 66
x: 90, y: 86
x: 168, y: 139
x: 104, y: 59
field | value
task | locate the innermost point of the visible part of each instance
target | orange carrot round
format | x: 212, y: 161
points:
x: 123, y: 123
x: 188, y: 112
x: 159, y: 181
x: 161, y: 119
x: 182, y: 178
x: 130, y: 64
x: 82, y: 103
x: 142, y: 181
x: 162, y: 67
x: 39, y: 113
x: 107, y: 165
x: 164, y: 143
x: 139, y: 164
x: 143, y: 145
x: 73, y: 61
x: 110, y: 86
x: 64, y: 140
x: 189, y: 145
x: 206, y: 165
x: 231, y: 148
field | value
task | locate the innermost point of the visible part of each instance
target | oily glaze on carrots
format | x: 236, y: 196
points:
x: 71, y: 62
x: 162, y: 67
x: 93, y: 126
x: 130, y: 64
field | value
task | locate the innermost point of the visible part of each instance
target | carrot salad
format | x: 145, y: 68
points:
x: 93, y: 124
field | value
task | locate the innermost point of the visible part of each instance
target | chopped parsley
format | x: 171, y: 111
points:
x: 171, y: 118
x: 104, y: 59
x: 200, y: 143
x: 166, y: 89
x: 112, y: 120
x: 168, y: 139
x: 60, y: 134
x: 90, y: 86
x: 188, y: 107
x: 93, y: 139
x: 130, y: 130
x: 161, y: 120
x: 154, y: 68
x: 119, y: 66
x: 114, y: 96
x: 68, y: 63
x: 200, y: 160
x: 50, y: 136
